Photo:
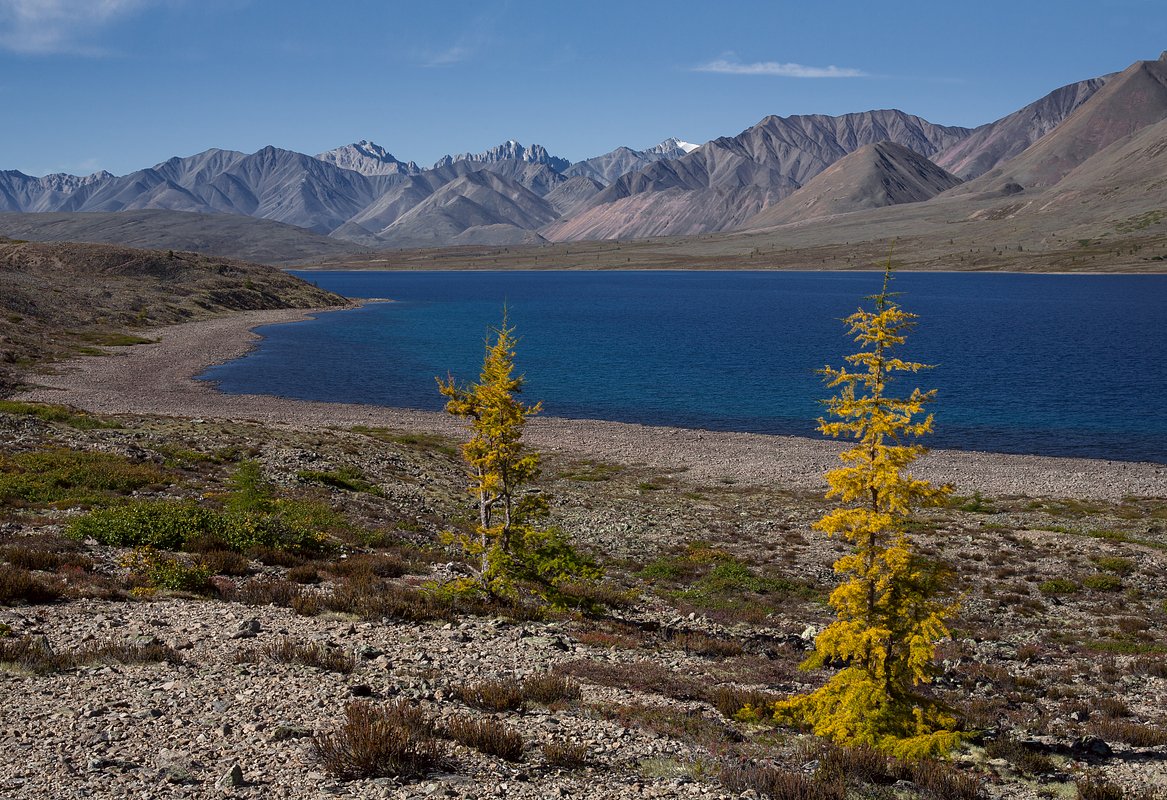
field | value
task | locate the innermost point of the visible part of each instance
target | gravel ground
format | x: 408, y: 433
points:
x: 158, y: 379
x: 177, y: 730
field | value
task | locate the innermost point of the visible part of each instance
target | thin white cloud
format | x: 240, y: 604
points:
x: 450, y: 56
x: 730, y: 65
x: 41, y: 27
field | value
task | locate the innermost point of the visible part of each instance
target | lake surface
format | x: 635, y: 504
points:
x: 1046, y: 364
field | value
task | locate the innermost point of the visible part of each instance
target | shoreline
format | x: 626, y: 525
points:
x: 159, y: 379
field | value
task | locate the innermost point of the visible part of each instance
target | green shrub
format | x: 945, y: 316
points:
x: 160, y: 571
x: 1102, y: 582
x: 164, y: 524
x: 1058, y: 586
x: 54, y: 413
x: 58, y: 475
x: 1115, y: 564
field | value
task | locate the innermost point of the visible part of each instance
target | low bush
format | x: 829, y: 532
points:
x: 55, y: 413
x: 1102, y: 582
x: 940, y: 780
x: 1024, y: 759
x: 391, y: 741
x: 349, y: 479
x: 225, y: 562
x: 492, y: 695
x: 288, y: 651
x: 746, y: 705
x: 44, y: 560
x: 1136, y: 734
x: 549, y: 689
x: 703, y: 645
x: 293, y: 526
x: 639, y: 676
x: 18, y: 585
x: 164, y: 524
x: 486, y: 736
x: 263, y: 592
x: 367, y: 565
x: 33, y: 654
x: 778, y: 784
x: 567, y: 755
x: 1057, y: 586
x: 157, y: 570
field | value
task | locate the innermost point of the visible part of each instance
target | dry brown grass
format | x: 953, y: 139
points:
x: 492, y: 695
x: 309, y: 654
x: 486, y: 736
x: 20, y: 585
x: 394, y: 740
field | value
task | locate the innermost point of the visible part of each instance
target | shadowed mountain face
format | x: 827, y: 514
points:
x: 782, y: 170
x: 874, y: 176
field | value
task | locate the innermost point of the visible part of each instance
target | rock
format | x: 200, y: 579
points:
x: 248, y: 629
x: 232, y: 779
x: 1091, y: 746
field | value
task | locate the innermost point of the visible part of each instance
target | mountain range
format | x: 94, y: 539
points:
x: 783, y: 171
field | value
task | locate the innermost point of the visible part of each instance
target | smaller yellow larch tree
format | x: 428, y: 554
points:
x: 510, y: 549
x: 888, y: 615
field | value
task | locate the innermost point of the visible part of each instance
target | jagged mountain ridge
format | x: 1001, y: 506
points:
x: 360, y: 193
x: 510, y: 150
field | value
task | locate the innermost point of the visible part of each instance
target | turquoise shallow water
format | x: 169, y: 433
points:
x: 1047, y: 364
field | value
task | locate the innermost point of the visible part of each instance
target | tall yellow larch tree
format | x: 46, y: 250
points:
x: 888, y: 614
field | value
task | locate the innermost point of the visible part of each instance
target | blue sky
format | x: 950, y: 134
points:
x: 125, y: 84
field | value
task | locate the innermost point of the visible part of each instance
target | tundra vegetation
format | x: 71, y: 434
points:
x: 369, y: 668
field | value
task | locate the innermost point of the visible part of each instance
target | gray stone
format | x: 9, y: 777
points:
x: 232, y: 779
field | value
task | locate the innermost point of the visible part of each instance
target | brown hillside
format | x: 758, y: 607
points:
x: 58, y: 298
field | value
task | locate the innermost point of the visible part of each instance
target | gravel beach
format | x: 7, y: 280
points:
x: 159, y: 379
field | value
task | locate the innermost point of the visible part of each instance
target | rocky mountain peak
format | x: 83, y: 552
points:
x: 368, y: 158
x: 510, y: 150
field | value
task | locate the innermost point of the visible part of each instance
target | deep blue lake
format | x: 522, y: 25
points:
x: 1047, y: 364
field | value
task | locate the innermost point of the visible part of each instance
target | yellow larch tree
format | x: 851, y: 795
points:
x: 888, y: 615
x: 508, y: 546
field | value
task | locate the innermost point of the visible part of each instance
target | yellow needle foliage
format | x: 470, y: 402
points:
x: 510, y: 550
x: 888, y: 615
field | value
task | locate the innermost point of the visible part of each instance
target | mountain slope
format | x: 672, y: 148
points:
x: 1128, y: 102
x: 728, y: 180
x: 989, y: 145
x: 874, y: 176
